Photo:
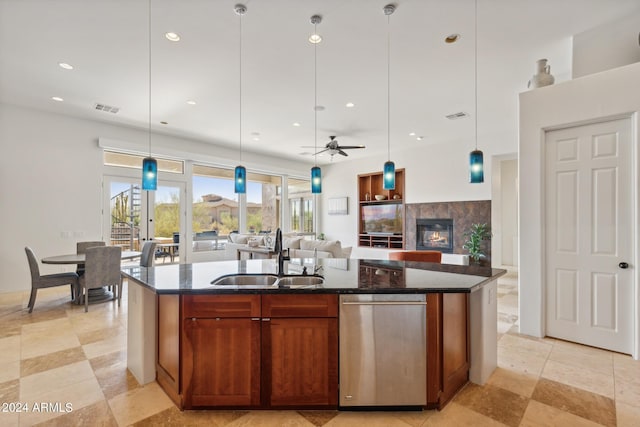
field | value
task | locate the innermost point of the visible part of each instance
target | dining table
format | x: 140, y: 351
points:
x: 95, y: 295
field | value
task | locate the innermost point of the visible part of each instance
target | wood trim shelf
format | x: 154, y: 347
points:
x: 370, y: 185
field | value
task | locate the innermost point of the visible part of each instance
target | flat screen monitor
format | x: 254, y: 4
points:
x: 382, y: 219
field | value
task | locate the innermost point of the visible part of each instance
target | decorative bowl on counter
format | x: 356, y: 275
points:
x: 380, y: 197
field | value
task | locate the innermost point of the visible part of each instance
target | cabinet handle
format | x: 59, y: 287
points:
x: 255, y: 318
x: 193, y: 319
x: 266, y: 319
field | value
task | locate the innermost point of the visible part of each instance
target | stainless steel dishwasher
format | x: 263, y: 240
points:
x: 383, y: 350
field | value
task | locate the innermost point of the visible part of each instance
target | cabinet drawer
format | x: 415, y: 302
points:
x: 221, y: 306
x: 301, y: 305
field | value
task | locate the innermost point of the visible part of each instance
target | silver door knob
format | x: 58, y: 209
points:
x: 623, y: 265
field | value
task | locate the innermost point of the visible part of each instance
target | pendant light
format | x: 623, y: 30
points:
x: 476, y: 158
x: 389, y: 170
x: 240, y: 173
x: 149, y: 164
x: 316, y: 173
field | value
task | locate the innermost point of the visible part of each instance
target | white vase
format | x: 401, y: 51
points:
x: 543, y: 76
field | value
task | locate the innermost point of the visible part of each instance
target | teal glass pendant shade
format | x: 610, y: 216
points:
x: 240, y: 178
x: 316, y: 180
x: 476, y: 167
x: 149, y: 174
x: 389, y: 176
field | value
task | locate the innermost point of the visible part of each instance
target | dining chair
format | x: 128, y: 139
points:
x: 102, y: 268
x: 148, y: 252
x: 81, y: 248
x: 39, y: 281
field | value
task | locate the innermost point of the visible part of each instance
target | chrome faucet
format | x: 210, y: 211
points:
x: 316, y: 267
x: 278, y: 249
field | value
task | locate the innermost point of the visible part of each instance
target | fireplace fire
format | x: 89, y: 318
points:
x: 434, y: 234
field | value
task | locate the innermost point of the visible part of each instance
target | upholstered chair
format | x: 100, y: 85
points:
x: 148, y: 251
x: 102, y: 268
x: 48, y: 280
x: 81, y: 248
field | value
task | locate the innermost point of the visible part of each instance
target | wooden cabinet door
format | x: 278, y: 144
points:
x: 300, y: 362
x: 221, y: 362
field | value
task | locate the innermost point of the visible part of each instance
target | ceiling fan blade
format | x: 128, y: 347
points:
x: 321, y: 151
x: 308, y: 146
x: 349, y: 147
x: 343, y: 153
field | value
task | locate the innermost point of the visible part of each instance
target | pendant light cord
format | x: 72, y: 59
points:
x: 149, y: 22
x: 240, y: 85
x: 476, y: 69
x: 315, y: 97
x: 389, y: 87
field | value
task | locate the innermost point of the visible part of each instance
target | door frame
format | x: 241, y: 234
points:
x: 635, y: 161
x: 634, y: 190
x: 107, y: 178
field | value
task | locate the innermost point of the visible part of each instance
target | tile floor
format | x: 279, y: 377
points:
x: 68, y: 367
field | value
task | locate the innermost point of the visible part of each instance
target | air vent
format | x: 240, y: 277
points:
x: 107, y: 108
x: 456, y: 116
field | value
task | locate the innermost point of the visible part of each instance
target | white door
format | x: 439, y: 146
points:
x: 589, y: 235
x: 135, y: 215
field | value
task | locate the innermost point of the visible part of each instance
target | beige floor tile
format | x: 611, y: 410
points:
x: 33, y: 386
x: 10, y: 349
x: 100, y: 348
x: 138, y: 404
x: 628, y: 391
x: 9, y: 371
x: 531, y: 345
x: 271, y: 419
x: 76, y: 396
x: 589, y: 358
x: 174, y: 417
x: 516, y: 360
x: 580, y: 377
x: 97, y: 414
x: 626, y: 368
x: 101, y: 334
x: 51, y: 361
x: 93, y: 320
x: 455, y: 415
x: 47, y: 337
x: 627, y: 415
x: 514, y: 381
x: 9, y: 419
x: 541, y: 415
x: 494, y: 402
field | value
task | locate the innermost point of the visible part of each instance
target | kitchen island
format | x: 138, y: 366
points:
x: 230, y: 345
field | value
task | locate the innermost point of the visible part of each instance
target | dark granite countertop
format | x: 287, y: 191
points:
x: 340, y: 276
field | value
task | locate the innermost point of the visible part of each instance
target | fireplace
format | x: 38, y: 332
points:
x: 434, y: 234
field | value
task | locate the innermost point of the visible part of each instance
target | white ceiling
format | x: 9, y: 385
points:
x: 107, y: 41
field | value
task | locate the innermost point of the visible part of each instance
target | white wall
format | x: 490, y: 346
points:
x: 606, y: 47
x: 590, y: 98
x: 51, y: 182
x: 433, y: 173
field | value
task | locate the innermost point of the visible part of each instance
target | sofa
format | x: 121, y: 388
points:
x: 298, y: 246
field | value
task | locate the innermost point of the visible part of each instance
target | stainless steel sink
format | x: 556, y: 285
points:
x: 269, y: 281
x: 300, y: 281
x: 258, y: 280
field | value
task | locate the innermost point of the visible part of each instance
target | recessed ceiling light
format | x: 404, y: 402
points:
x: 65, y: 65
x: 315, y: 38
x: 350, y: 105
x: 57, y: 98
x: 296, y: 124
x: 174, y: 37
x: 164, y: 123
x: 412, y: 134
x: 452, y: 38
x: 420, y: 138
x: 255, y: 138
x: 191, y: 102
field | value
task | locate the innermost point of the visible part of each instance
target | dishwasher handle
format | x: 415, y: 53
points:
x: 384, y: 303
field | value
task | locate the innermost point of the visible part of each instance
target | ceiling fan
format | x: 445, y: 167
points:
x: 334, y: 147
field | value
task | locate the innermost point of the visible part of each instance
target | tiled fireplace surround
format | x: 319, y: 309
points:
x: 463, y: 214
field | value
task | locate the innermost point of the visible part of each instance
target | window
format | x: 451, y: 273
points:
x: 215, y: 205
x: 300, y: 205
x: 111, y: 158
x: 263, y: 202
